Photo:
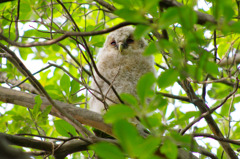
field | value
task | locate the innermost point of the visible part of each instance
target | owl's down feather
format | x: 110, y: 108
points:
x: 121, y: 62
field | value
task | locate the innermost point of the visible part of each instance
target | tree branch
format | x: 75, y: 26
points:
x: 209, y: 119
x: 64, y: 36
x: 58, y: 150
x: 8, y: 152
x: 84, y: 116
x: 202, y: 17
x: 217, y: 138
x: 186, y: 99
x: 64, y: 115
x: 23, y: 86
x: 106, y: 5
x: 229, y: 61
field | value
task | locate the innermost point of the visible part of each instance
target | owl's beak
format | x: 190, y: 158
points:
x: 120, y: 47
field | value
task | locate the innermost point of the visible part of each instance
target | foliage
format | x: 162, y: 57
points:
x: 189, y: 46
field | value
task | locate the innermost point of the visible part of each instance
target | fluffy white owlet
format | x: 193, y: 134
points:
x: 121, y: 62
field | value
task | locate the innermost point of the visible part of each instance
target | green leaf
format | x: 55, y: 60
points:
x: 157, y: 103
x: 170, y: 149
x: 234, y: 28
x: 228, y: 12
x: 24, y: 52
x: 150, y: 4
x: 125, y: 3
x: 151, y: 49
x: 125, y: 12
x: 97, y: 41
x: 194, y: 71
x: 188, y: 115
x: 169, y: 17
x: 45, y: 112
x: 117, y: 112
x: 30, y: 33
x: 65, y: 84
x: 219, y: 91
x: 141, y: 31
x: 152, y: 121
x: 188, y: 17
x: 76, y: 99
x: 145, y: 86
x: 26, y: 10
x: 183, y: 140
x: 184, y: 118
x: 129, y: 99
x: 211, y: 68
x: 107, y: 150
x: 150, y: 144
x: 75, y: 86
x: 37, y: 106
x: 167, y: 78
x: 128, y: 136
x: 64, y: 128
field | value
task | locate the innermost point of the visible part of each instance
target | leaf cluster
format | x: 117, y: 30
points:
x: 189, y: 44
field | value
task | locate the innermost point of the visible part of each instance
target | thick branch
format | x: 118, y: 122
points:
x: 58, y: 150
x: 231, y: 60
x: 8, y: 152
x: 84, y: 116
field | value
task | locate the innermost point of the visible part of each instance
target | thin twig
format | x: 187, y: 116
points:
x: 64, y: 36
x: 16, y: 21
x: 186, y: 99
x: 217, y: 138
x: 209, y: 111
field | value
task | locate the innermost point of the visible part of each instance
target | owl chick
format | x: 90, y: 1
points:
x: 121, y: 62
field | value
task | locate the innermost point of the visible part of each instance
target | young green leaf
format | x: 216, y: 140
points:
x: 167, y: 78
x: 65, y: 84
x: 151, y: 49
x: 37, y: 106
x: 145, y: 86
x: 129, y: 99
x: 150, y: 144
x: 128, y: 136
x: 24, y: 52
x: 45, y: 112
x: 169, y: 17
x: 169, y: 149
x: 141, y: 31
x: 125, y: 12
x: 211, y: 68
x: 117, y: 112
x: 64, y: 128
x: 75, y: 86
x: 157, y: 103
x: 188, y: 17
x: 125, y: 3
x: 107, y: 150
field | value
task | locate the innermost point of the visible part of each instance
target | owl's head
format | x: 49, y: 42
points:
x: 123, y: 42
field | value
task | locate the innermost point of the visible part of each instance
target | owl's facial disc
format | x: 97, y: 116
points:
x: 123, y: 44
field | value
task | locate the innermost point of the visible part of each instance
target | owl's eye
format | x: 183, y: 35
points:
x: 129, y: 41
x: 113, y: 43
